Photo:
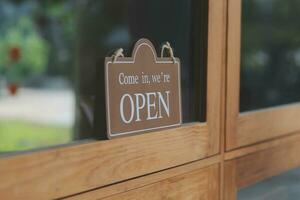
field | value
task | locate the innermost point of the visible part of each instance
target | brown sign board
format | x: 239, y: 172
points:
x: 142, y: 92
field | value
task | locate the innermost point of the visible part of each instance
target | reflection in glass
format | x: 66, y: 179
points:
x: 37, y: 100
x: 107, y: 25
x: 270, y: 54
x: 52, y: 55
x: 282, y: 187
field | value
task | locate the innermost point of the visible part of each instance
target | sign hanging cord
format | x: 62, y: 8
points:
x: 117, y: 53
x: 168, y: 47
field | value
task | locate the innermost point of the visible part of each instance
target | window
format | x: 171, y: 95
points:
x: 37, y: 74
x: 263, y: 71
x: 69, y: 170
x: 270, y: 54
x: 107, y: 25
x: 53, y: 57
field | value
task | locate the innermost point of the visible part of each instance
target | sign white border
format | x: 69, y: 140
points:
x: 109, y: 133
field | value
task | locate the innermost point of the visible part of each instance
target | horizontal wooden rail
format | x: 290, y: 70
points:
x: 258, y: 126
x: 146, y: 180
x: 65, y: 171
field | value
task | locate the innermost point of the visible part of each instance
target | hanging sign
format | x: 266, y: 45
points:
x: 143, y: 91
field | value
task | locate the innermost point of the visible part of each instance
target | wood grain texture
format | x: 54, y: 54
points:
x: 266, y: 124
x: 233, y: 71
x: 230, y: 188
x: 255, y: 163
x: 285, y: 140
x: 64, y: 171
x: 144, y: 180
x: 223, y: 37
x: 216, y: 70
x: 269, y: 162
x: 200, y: 184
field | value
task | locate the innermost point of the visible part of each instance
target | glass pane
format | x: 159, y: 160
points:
x: 37, y: 98
x: 107, y: 25
x: 270, y: 54
x: 52, y: 55
x: 283, y: 187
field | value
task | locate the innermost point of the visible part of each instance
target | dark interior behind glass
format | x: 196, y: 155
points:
x: 270, y: 54
x: 52, y: 59
x: 107, y: 25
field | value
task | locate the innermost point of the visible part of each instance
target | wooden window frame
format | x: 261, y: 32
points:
x: 123, y: 188
x: 247, y: 166
x: 68, y: 170
x: 252, y: 127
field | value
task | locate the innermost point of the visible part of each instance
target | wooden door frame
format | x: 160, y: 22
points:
x: 68, y: 170
x: 256, y: 140
x: 247, y: 166
x: 123, y: 188
x: 248, y: 128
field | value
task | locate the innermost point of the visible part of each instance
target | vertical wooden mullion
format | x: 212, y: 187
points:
x: 230, y: 187
x: 233, y: 71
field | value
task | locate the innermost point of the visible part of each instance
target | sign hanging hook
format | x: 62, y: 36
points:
x: 168, y: 47
x: 117, y: 53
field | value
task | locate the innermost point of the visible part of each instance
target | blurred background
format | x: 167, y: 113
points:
x: 52, y: 55
x: 37, y: 100
x: 270, y: 54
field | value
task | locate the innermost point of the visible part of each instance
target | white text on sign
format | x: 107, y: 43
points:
x: 156, y: 105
